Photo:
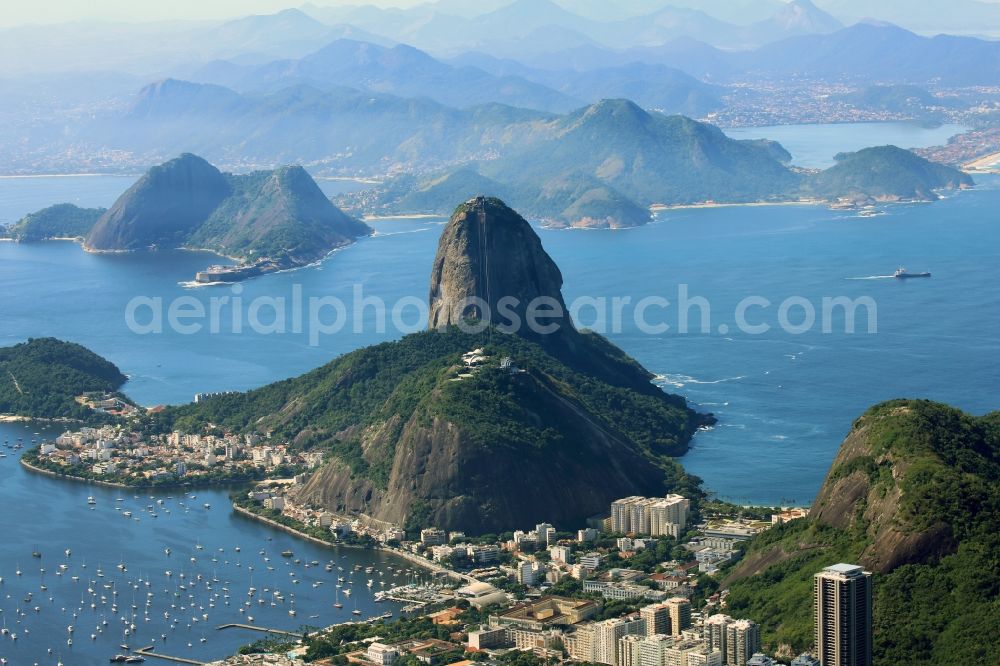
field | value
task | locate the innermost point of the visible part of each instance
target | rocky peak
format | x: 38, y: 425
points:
x: 167, y: 203
x: 489, y: 257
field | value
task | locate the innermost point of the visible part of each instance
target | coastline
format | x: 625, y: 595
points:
x: 75, y: 479
x: 67, y: 175
x: 410, y: 557
x: 404, y: 216
x: 141, y: 486
x: 656, y: 208
x: 989, y: 163
x: 17, y: 418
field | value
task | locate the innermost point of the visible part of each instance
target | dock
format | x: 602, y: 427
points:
x: 148, y: 652
x: 264, y: 630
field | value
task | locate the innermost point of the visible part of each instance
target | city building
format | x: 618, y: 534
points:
x: 680, y: 614
x: 715, y: 631
x: 759, y: 659
x: 742, y: 641
x: 382, y: 654
x: 644, y: 650
x: 842, y: 607
x: 480, y: 595
x: 546, y: 534
x: 607, y: 635
x: 432, y: 536
x: 546, y: 612
x: 655, y: 516
x: 487, y: 638
x: 561, y: 554
x: 527, y: 574
x: 622, y: 590
x: 657, y: 617
x: 484, y: 554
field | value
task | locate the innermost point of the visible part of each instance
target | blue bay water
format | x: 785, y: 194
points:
x: 187, y: 588
x: 815, y: 145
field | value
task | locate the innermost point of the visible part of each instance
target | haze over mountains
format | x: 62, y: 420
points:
x: 446, y: 85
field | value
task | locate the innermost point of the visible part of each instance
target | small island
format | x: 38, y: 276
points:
x: 265, y: 221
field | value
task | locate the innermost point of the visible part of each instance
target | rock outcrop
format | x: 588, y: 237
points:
x: 490, y: 265
x: 162, y: 208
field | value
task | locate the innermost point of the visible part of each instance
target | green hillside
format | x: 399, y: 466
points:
x: 914, y: 495
x: 41, y: 377
x: 58, y: 221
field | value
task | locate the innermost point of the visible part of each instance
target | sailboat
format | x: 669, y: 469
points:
x: 337, y: 604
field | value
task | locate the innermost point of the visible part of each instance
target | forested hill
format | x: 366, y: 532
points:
x: 914, y: 496
x: 41, y: 378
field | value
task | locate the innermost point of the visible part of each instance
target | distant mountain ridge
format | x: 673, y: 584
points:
x: 281, y: 214
x: 408, y: 72
x: 500, y: 31
x: 400, y: 70
x: 605, y: 165
x: 867, y: 52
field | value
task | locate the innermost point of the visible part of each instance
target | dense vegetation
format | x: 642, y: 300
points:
x: 58, y: 221
x: 939, y: 471
x: 885, y: 172
x: 42, y: 377
x: 334, y: 404
x: 280, y: 214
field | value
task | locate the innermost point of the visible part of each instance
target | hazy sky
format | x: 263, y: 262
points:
x: 18, y: 12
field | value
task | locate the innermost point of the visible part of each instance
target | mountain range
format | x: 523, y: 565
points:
x: 863, y: 53
x: 607, y: 164
x: 502, y: 31
x: 404, y: 71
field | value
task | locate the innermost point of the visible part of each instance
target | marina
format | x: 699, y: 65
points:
x: 81, y: 583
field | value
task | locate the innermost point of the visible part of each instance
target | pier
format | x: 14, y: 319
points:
x: 148, y: 652
x: 264, y: 630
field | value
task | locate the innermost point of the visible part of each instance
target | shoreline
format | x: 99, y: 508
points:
x: 113, y: 484
x: 404, y: 216
x: 69, y: 477
x: 988, y: 163
x: 409, y: 557
x: 15, y: 176
x: 656, y: 208
x: 17, y: 418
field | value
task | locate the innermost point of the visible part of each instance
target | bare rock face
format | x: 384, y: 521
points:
x: 162, y: 207
x: 490, y: 265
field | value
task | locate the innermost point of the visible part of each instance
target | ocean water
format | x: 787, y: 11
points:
x: 815, y: 145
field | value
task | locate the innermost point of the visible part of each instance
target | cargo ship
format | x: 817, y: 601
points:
x: 903, y: 274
